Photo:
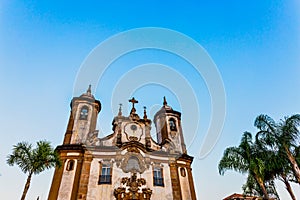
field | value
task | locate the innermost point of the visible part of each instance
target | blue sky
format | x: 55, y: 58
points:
x: 254, y: 44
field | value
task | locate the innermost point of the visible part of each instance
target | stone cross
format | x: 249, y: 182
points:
x: 133, y: 101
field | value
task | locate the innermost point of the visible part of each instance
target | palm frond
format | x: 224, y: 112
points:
x: 21, y: 156
x: 232, y: 160
x: 264, y: 122
x: 33, y: 160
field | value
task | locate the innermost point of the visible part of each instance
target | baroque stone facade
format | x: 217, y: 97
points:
x: 128, y: 163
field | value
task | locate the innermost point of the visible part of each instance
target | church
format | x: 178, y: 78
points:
x: 126, y: 164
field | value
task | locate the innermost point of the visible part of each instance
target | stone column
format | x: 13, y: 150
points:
x: 84, y: 177
x: 191, y: 182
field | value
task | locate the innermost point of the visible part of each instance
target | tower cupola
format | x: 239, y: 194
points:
x: 83, y: 117
x: 168, y: 128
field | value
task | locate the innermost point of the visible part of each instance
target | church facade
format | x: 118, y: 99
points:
x: 127, y: 164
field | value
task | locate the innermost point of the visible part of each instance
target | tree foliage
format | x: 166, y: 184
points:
x: 282, y: 137
x: 246, y: 158
x: 33, y: 160
x: 275, y: 154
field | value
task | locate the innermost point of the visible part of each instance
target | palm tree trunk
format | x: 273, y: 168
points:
x: 26, y: 186
x: 262, y: 186
x: 288, y: 186
x: 292, y: 160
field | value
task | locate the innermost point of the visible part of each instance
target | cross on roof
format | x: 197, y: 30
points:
x: 133, y: 101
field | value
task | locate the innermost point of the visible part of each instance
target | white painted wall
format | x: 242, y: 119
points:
x: 105, y: 192
x: 67, y: 181
x: 185, y: 186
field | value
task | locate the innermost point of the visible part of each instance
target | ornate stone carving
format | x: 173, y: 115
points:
x: 92, y: 138
x: 133, y: 149
x: 133, y: 162
x: 133, y: 189
x: 133, y: 138
x: 133, y: 131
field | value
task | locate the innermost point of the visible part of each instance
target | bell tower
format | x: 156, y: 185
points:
x: 83, y: 118
x: 168, y: 128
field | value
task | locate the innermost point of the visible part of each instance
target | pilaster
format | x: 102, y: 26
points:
x: 175, y: 182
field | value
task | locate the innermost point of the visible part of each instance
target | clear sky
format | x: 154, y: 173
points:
x: 254, y: 44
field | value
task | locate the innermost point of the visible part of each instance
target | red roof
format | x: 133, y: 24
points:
x: 236, y: 196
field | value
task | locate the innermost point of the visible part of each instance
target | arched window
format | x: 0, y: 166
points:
x: 182, y: 172
x: 70, y: 165
x: 172, y: 124
x: 84, y: 113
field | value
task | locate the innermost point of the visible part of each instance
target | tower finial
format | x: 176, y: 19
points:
x: 89, y: 90
x: 145, y: 113
x: 165, y: 101
x: 120, y: 110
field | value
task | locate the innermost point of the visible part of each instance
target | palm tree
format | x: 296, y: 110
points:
x: 33, y: 161
x: 252, y: 188
x: 283, y: 136
x: 246, y: 158
x: 277, y: 166
x: 284, y: 177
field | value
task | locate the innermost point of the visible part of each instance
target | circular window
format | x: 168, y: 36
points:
x: 133, y: 127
